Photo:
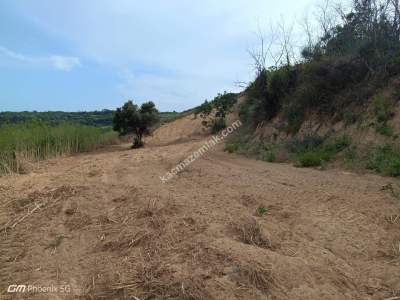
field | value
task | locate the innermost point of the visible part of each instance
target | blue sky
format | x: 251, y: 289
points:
x: 80, y: 55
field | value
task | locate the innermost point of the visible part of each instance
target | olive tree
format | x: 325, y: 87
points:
x: 130, y: 119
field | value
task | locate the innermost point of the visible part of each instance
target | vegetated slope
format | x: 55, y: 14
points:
x: 340, y: 100
x: 225, y: 228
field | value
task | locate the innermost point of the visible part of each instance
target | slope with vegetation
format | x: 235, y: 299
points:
x: 339, y: 100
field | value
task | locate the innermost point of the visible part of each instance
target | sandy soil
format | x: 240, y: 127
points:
x: 105, y: 225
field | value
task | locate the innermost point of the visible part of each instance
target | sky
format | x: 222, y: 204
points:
x: 80, y: 55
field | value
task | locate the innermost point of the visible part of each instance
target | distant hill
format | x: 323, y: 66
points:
x: 101, y: 118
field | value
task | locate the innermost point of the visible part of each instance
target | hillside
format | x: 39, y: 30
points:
x: 338, y: 104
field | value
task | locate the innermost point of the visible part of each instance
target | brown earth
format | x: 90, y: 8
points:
x: 104, y: 224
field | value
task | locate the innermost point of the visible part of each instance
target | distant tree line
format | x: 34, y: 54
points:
x: 103, y: 118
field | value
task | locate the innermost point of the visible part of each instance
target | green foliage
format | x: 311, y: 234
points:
x: 131, y: 119
x: 231, y: 148
x: 383, y: 109
x: 307, y: 143
x: 385, y: 160
x: 101, y: 118
x: 35, y: 140
x: 204, y: 109
x: 266, y: 93
x: 340, y: 143
x: 268, y: 155
x: 213, y: 113
x: 261, y: 211
x: 313, y: 158
x: 218, y: 125
x: 341, y: 70
x: 385, y: 129
x: 314, y: 150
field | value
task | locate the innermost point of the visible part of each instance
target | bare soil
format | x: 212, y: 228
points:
x: 104, y: 224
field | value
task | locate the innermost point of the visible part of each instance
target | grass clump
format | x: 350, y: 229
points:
x: 261, y: 211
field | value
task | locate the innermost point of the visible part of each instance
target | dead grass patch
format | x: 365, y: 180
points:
x: 56, y: 242
x: 78, y: 221
x: 393, y: 219
x: 249, y: 232
x: 21, y: 203
x: 105, y: 220
x: 150, y: 279
x: 396, y: 249
x: 252, y: 274
x: 126, y: 241
x: 150, y: 209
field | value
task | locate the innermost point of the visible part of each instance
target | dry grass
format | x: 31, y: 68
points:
x: 125, y: 241
x: 249, y: 232
x: 77, y: 221
x: 149, y: 210
x: 396, y: 250
x: 252, y: 274
x: 393, y: 219
x: 56, y: 242
x: 150, y: 279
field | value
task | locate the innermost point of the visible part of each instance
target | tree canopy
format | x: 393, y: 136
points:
x: 131, y: 119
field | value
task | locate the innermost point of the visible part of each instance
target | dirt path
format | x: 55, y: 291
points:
x: 107, y: 227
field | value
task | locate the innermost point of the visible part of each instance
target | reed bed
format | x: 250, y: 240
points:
x: 32, y: 141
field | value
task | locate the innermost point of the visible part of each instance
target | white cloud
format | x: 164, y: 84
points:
x: 64, y: 63
x: 59, y: 62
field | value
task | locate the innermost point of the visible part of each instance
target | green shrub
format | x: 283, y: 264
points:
x: 268, y: 155
x: 385, y: 160
x: 385, y: 129
x: 231, y: 148
x: 261, y: 211
x: 340, y: 143
x: 217, y: 125
x: 383, y: 109
x: 313, y: 158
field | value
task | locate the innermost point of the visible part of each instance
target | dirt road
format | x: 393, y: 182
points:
x: 103, y: 226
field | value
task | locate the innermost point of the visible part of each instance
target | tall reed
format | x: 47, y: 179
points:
x: 34, y: 140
